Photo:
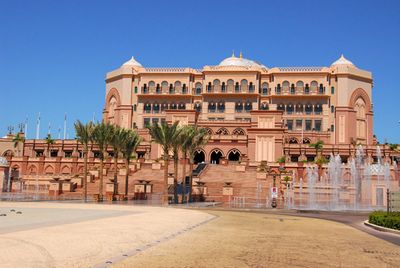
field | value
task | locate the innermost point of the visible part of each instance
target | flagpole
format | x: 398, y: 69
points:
x: 49, y: 130
x: 65, y: 126
x: 59, y: 133
x: 26, y: 127
x: 38, y: 127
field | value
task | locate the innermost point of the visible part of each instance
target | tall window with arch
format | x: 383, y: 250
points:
x: 230, y: 85
x: 198, y: 88
x: 361, y: 118
x: 264, y: 88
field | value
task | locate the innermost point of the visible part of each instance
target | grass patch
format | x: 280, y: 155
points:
x: 389, y: 220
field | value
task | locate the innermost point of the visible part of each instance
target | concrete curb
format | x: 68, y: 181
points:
x: 381, y: 228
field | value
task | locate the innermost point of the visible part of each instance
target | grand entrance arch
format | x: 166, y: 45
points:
x: 216, y: 156
x: 199, y: 157
x: 234, y: 155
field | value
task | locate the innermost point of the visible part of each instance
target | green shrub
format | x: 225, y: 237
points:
x: 381, y: 218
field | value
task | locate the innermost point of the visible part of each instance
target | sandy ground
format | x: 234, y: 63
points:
x: 240, y: 239
x: 84, y: 235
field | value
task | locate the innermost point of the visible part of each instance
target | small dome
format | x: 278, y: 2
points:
x: 342, y: 61
x: 235, y: 61
x: 132, y: 62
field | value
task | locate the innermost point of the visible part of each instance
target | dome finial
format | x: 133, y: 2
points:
x: 241, y: 55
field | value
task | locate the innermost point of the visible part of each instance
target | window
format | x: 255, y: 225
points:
x: 198, y: 88
x: 211, y: 107
x: 299, y: 124
x: 248, y: 107
x: 289, y: 109
x: 209, y: 87
x: 281, y: 107
x: 299, y: 86
x: 264, y: 106
x: 197, y: 106
x: 321, y: 89
x: 147, y: 108
x: 285, y: 85
x: 184, y: 90
x: 221, y: 107
x: 299, y: 108
x: 134, y: 107
x: 314, y: 85
x: 158, y: 89
x: 332, y: 109
x: 164, y: 106
x: 146, y: 122
x: 251, y: 87
x: 308, y: 109
x: 230, y: 84
x: 171, y: 89
x: 278, y: 89
x: 182, y: 106
x: 308, y: 125
x: 67, y: 154
x: 154, y: 120
x: 135, y: 90
x: 332, y: 128
x: 156, y: 108
x: 223, y: 87
x: 239, y: 107
x: 318, y: 109
x: 53, y: 153
x: 332, y: 90
x: 307, y: 89
x: 317, y: 125
x: 289, y: 124
x: 173, y: 106
x: 96, y: 154
x: 264, y: 89
x: 292, y: 89
x: 164, y: 86
x: 237, y: 87
x: 243, y: 85
x: 145, y: 90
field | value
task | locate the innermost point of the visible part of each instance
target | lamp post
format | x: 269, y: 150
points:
x: 274, y: 191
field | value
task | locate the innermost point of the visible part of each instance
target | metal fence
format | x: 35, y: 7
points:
x: 393, y: 201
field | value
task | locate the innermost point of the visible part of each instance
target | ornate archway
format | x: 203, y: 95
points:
x: 216, y: 156
x: 199, y: 157
x: 234, y: 155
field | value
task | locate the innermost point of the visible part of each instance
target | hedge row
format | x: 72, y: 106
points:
x: 381, y: 218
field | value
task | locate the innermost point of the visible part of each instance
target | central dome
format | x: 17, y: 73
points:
x: 235, y: 61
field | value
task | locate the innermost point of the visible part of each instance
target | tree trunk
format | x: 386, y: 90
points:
x: 184, y: 177
x: 165, y: 194
x: 115, y: 192
x: 85, y: 171
x: 190, y: 180
x: 126, y: 178
x: 101, y: 180
x: 176, y: 159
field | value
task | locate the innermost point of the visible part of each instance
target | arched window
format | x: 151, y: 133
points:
x: 223, y: 87
x: 171, y: 89
x: 209, y: 87
x: 237, y: 87
x: 239, y: 107
x: 198, y: 88
x: 145, y: 90
x: 292, y: 89
x: 289, y: 108
x: 164, y: 86
x: 184, y: 89
x: 248, y: 107
x: 147, y: 108
x: 209, y: 131
x: 321, y: 89
x: 164, y: 106
x: 299, y: 86
x: 182, y: 106
x: 158, y: 89
x: 152, y: 85
x: 112, y: 105
x: 243, y: 84
x: 308, y: 108
x: 173, y: 106
x: 314, y: 85
x: 299, y: 108
x: 281, y: 107
x: 216, y: 85
x: 293, y: 140
x: 239, y: 132
x: 156, y: 108
x: 318, y: 108
x: 361, y: 124
x: 278, y: 89
x: 222, y: 131
x: 211, y: 107
x: 251, y: 87
x: 265, y: 87
x: 307, y: 89
x: 221, y: 106
x: 306, y: 141
x: 285, y: 85
x: 264, y: 106
x: 231, y: 85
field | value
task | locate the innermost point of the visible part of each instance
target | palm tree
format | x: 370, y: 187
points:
x: 318, y: 146
x: 165, y: 135
x: 102, y: 135
x: 49, y: 142
x: 200, y: 138
x: 176, y: 147
x: 116, y: 141
x: 17, y: 140
x: 187, y: 136
x: 129, y: 143
x: 84, y: 134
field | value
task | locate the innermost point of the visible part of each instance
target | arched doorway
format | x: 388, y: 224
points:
x: 199, y: 157
x: 234, y: 155
x: 215, y: 157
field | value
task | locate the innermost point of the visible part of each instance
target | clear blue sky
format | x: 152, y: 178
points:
x: 54, y: 54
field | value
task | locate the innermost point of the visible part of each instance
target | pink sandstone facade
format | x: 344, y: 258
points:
x: 253, y: 114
